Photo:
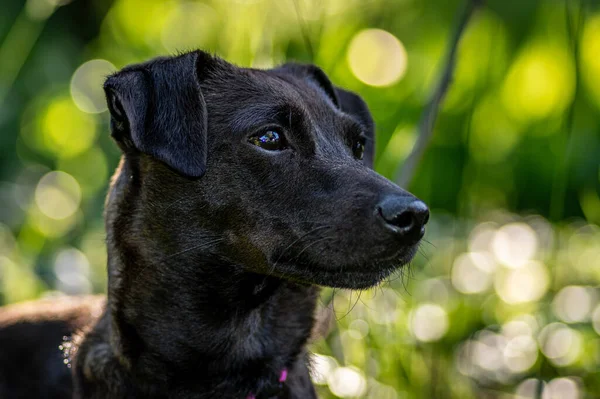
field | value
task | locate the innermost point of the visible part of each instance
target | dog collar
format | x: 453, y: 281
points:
x: 277, y: 390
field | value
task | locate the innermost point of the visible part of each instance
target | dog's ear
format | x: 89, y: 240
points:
x: 314, y: 74
x: 157, y: 108
x: 354, y: 105
x: 345, y: 100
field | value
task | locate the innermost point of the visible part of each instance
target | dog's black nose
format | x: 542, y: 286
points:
x: 405, y: 216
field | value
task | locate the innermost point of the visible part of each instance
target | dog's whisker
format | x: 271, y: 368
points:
x: 422, y: 252
x: 202, y: 245
x: 177, y: 201
x: 353, y: 306
x: 333, y: 300
x: 296, y: 223
x: 429, y: 242
x: 295, y: 242
x: 311, y: 244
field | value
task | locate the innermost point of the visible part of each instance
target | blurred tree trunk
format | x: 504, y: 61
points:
x: 427, y: 122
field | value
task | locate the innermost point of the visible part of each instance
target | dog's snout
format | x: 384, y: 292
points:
x: 405, y: 216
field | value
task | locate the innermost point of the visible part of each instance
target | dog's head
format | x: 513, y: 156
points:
x: 270, y: 170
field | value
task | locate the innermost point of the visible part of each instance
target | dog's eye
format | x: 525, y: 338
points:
x: 270, y: 140
x: 358, y: 149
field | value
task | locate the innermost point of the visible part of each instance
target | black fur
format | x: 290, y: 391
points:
x: 216, y: 247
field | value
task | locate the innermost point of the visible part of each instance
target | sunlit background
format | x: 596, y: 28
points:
x: 503, y: 299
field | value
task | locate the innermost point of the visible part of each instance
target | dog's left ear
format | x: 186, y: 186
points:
x: 345, y: 100
x: 157, y: 108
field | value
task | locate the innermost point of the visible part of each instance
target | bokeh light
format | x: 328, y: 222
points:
x: 386, y: 62
x: 359, y: 329
x: 58, y: 195
x: 72, y: 270
x: 347, y: 382
x: 50, y: 227
x: 515, y: 244
x: 560, y: 344
x: 573, y: 304
x: 67, y: 131
x: 525, y: 284
x: 387, y: 300
x: 472, y: 272
x: 488, y: 354
x: 429, y: 322
x: 481, y: 237
x: 89, y: 168
x: 540, y: 83
x: 520, y: 353
x: 562, y: 388
x: 528, y: 389
x: 87, y: 83
x: 519, y: 327
x: 321, y: 368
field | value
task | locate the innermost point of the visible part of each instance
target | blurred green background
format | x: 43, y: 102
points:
x: 503, y: 300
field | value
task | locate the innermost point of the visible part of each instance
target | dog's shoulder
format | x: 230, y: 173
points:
x: 35, y: 339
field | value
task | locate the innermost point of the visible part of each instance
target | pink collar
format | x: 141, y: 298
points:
x: 282, y: 377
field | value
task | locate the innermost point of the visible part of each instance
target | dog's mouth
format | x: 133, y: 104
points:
x: 361, y: 275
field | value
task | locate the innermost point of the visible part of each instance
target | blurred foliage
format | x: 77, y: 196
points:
x: 503, y: 302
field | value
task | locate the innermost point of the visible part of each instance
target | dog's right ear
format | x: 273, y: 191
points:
x: 347, y: 101
x: 157, y: 108
x: 353, y: 104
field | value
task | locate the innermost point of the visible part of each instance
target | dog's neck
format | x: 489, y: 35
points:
x: 198, y: 352
x: 190, y: 326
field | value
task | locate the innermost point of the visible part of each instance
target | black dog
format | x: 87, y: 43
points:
x: 239, y: 192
